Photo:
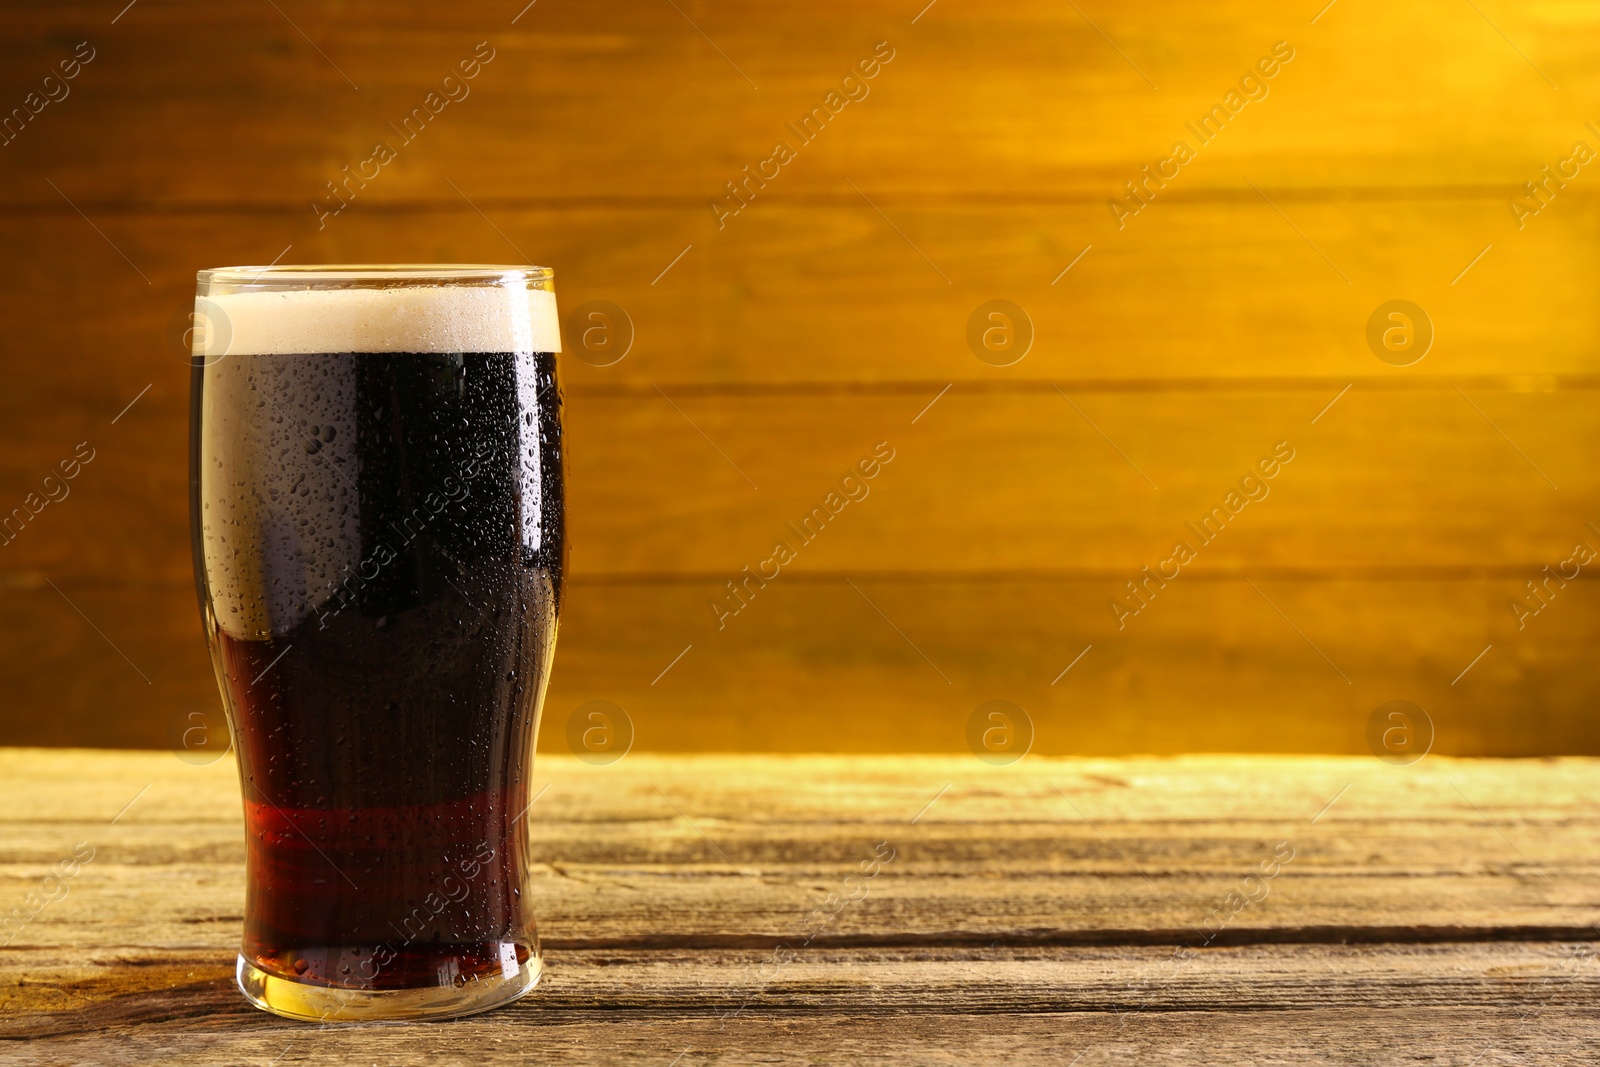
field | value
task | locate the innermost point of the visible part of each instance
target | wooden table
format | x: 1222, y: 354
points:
x: 1033, y: 914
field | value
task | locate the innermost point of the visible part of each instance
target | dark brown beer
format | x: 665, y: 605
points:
x: 380, y: 540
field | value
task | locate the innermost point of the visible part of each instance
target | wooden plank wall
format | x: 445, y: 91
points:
x: 775, y: 347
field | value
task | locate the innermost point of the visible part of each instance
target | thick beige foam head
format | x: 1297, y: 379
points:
x: 407, y: 319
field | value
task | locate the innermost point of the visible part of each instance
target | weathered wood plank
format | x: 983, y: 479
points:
x: 41, y: 787
x: 80, y: 995
x: 697, y: 904
x: 1449, y: 1037
x: 1045, y: 852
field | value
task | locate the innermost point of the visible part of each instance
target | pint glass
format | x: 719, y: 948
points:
x: 377, y: 519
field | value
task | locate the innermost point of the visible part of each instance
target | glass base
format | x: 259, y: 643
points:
x: 320, y: 1003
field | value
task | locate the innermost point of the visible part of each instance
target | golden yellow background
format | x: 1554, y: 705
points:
x: 775, y: 351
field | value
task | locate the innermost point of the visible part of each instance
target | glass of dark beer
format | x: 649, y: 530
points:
x: 379, y: 541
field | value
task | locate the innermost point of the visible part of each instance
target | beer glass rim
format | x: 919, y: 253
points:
x: 374, y: 275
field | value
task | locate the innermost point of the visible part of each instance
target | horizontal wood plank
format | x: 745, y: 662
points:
x: 1401, y: 484
x: 1091, y: 852
x: 629, y: 99
x: 1457, y: 1037
x: 1136, y: 986
x: 1208, y: 665
x: 806, y: 293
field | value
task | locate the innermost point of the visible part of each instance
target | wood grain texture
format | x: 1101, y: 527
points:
x: 830, y: 310
x: 1033, y: 100
x: 1030, y: 911
x: 1236, y: 675
x: 1454, y: 1036
x: 1040, y: 482
x: 1200, y: 294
